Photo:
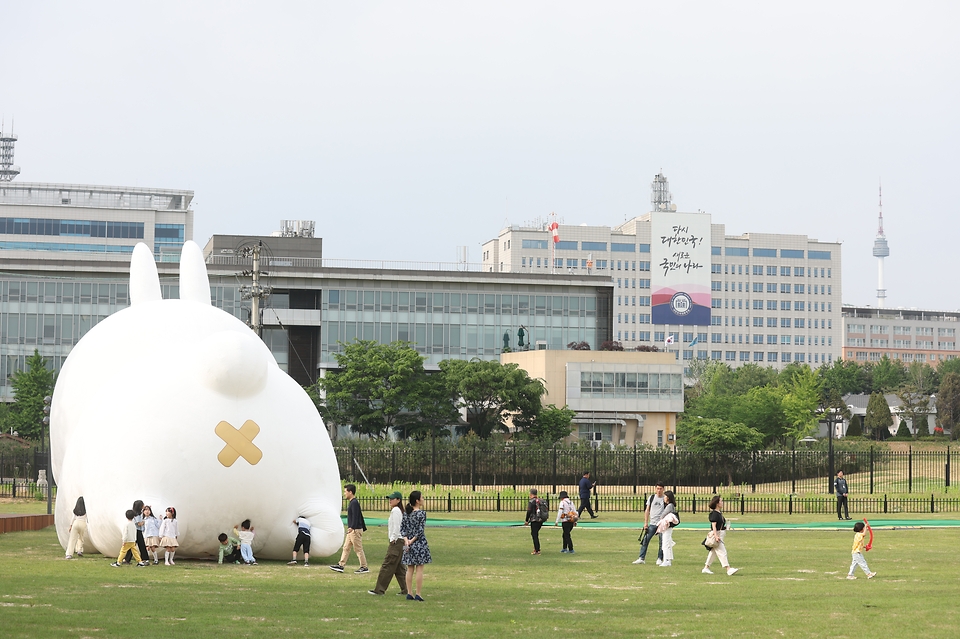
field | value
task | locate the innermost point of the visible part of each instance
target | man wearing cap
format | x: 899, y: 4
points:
x: 392, y: 567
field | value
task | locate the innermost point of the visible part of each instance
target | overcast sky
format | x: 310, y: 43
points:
x: 407, y: 129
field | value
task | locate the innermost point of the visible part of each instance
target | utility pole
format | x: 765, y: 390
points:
x: 255, y: 293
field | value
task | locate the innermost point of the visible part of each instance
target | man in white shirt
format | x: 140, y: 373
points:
x: 392, y: 566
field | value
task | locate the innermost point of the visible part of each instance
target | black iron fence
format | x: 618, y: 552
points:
x: 692, y: 503
x: 20, y: 470
x: 620, y: 471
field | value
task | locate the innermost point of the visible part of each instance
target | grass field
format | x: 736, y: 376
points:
x: 484, y: 583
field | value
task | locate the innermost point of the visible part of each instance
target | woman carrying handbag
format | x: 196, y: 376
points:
x: 714, y: 540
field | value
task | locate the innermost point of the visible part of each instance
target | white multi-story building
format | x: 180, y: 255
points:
x: 773, y: 299
x: 907, y: 334
x: 96, y: 221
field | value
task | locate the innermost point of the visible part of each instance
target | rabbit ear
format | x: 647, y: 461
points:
x: 194, y: 284
x: 144, y: 280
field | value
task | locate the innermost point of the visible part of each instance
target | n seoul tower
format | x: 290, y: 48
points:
x: 880, y: 251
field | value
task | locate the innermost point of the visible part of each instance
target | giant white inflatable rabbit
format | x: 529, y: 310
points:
x: 180, y: 404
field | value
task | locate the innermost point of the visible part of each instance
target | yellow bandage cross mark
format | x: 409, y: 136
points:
x: 239, y: 443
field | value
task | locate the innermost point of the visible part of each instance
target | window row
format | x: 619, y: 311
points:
x: 630, y: 384
x: 73, y: 228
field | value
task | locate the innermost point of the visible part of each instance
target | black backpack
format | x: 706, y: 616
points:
x: 542, y: 513
x: 677, y: 513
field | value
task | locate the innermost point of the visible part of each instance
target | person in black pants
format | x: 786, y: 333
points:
x: 534, y: 520
x: 586, y: 485
x: 567, y: 517
x: 841, y: 490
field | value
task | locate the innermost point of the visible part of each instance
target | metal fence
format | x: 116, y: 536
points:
x: 630, y: 471
x: 693, y: 504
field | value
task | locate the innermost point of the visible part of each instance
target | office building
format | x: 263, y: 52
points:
x: 93, y: 221
x: 909, y: 335
x: 768, y: 299
x: 618, y: 397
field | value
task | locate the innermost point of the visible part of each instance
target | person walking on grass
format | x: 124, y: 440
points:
x: 718, y: 528
x: 355, y: 529
x: 138, y: 521
x: 669, y: 519
x: 303, y: 541
x: 416, y: 551
x: 651, y: 518
x: 78, y: 528
x: 841, y: 490
x: 858, y: 549
x: 129, y: 541
x: 393, y: 561
x: 567, y: 519
x: 586, y: 485
x: 536, y: 515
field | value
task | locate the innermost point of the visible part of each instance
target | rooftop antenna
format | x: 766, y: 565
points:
x: 660, y: 198
x: 880, y: 251
x: 8, y: 170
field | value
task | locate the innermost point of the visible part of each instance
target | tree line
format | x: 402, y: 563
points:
x: 750, y: 406
x: 381, y: 388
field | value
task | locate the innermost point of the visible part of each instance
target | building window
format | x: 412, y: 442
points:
x: 533, y: 244
x: 762, y: 252
x: 791, y: 253
x: 593, y: 246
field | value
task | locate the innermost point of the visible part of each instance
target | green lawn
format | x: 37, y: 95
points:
x: 484, y: 583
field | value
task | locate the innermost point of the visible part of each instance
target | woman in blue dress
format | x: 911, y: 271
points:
x: 416, y: 552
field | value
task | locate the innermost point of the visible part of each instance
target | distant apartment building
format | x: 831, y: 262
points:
x: 768, y: 299
x: 909, y: 335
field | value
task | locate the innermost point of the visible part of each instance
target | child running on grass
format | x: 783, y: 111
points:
x: 858, y: 548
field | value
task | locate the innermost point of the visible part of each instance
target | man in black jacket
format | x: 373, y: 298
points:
x: 841, y: 490
x: 355, y: 530
x: 534, y: 520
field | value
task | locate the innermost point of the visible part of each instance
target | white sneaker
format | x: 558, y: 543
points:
x: 707, y: 571
x: 851, y: 577
x: 732, y: 571
x: 659, y: 562
x: 665, y: 564
x: 639, y: 561
x: 871, y: 575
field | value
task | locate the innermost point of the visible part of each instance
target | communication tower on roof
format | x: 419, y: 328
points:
x: 7, y: 169
x: 880, y: 251
x: 660, y: 198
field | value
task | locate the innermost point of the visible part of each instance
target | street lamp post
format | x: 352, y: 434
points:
x: 46, y: 422
x: 830, y: 453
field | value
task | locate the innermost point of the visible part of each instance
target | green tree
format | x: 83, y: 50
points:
x: 854, y: 429
x: 719, y: 436
x: 888, y: 374
x: 551, y: 425
x: 948, y: 403
x: 800, y: 401
x: 915, y: 407
x: 488, y: 390
x: 702, y: 434
x: 436, y: 410
x: 948, y: 366
x: 378, y: 387
x: 903, y: 432
x: 29, y: 389
x: 878, y: 419
x: 761, y: 409
x: 843, y: 376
